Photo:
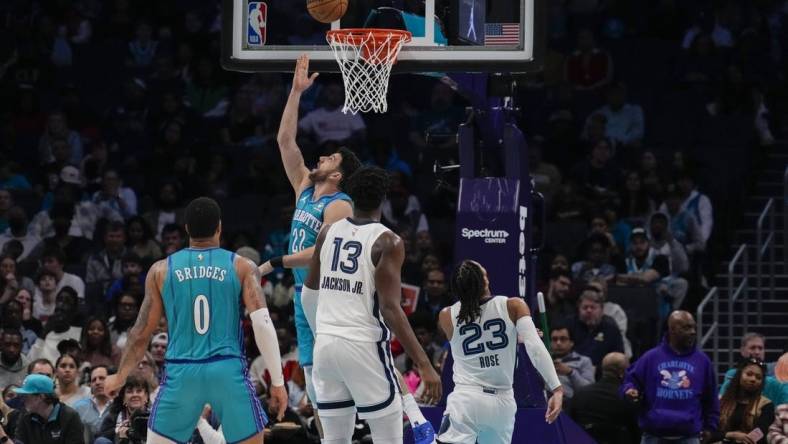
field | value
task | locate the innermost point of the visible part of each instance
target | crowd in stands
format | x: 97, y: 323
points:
x: 113, y: 115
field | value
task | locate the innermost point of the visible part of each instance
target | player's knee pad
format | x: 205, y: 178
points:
x: 338, y: 429
x: 310, y: 385
x: 155, y: 438
x: 386, y: 429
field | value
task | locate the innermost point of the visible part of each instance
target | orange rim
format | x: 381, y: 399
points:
x: 391, y: 39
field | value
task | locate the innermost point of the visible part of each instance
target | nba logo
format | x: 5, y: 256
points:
x: 256, y: 28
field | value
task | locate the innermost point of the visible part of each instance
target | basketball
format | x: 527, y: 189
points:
x: 326, y: 11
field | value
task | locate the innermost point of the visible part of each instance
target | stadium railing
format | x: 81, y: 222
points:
x: 713, y: 330
x: 765, y: 238
x: 736, y: 292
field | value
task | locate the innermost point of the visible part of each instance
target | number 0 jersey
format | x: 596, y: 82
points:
x: 485, y: 351
x: 306, y: 224
x: 203, y: 303
x: 348, y: 304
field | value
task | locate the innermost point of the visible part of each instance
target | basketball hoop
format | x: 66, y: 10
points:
x: 365, y: 57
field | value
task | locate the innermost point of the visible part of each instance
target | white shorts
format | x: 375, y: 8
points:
x: 352, y: 376
x: 475, y: 415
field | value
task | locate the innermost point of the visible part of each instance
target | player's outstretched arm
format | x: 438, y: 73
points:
x: 263, y: 328
x: 537, y: 352
x: 293, y: 160
x: 148, y: 319
x: 389, y: 287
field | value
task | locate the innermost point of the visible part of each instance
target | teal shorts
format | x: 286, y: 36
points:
x: 222, y: 382
x: 304, y: 335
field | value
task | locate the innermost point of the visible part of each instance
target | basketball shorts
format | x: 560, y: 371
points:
x: 480, y: 414
x: 304, y: 334
x: 221, y: 382
x: 352, y: 376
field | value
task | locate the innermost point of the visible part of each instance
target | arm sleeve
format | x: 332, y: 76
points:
x: 267, y: 343
x: 208, y: 434
x: 537, y: 352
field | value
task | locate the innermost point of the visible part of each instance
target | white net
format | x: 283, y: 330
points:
x: 365, y: 57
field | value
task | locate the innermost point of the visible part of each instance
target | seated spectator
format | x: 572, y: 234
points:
x: 127, y: 307
x: 59, y: 326
x: 743, y: 408
x: 674, y: 386
x: 437, y: 125
x: 148, y: 369
x: 595, y: 334
x: 652, y: 176
x: 114, y: 196
x: 133, y: 277
x: 599, y: 224
x: 435, y: 294
x: 76, y: 248
x: 10, y: 179
x: 133, y: 397
x: 97, y: 348
x: 663, y: 242
x: 94, y: 409
x: 597, y: 262
x: 44, y: 296
x: 636, y: 206
x: 625, y: 123
x: 173, y: 238
x: 57, y: 129
x: 546, y: 176
x: 596, y: 176
x: 168, y: 209
x: 424, y: 326
x: 17, y: 230
x: 40, y: 402
x: 240, y: 123
x: 693, y: 203
x: 158, y: 349
x: 776, y: 387
x: 53, y: 261
x: 67, y: 378
x: 139, y: 238
x: 613, y: 310
x: 30, y: 322
x: 401, y: 208
x: 6, y: 202
x: 13, y: 364
x: 683, y: 225
x: 105, y: 265
x: 778, y: 431
x: 599, y: 410
x: 142, y: 50
x: 12, y: 319
x: 588, y: 67
x: 574, y: 370
x: 752, y: 345
x: 11, y: 281
x: 329, y: 124
x: 560, y: 305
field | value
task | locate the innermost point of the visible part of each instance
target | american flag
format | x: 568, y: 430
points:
x: 497, y: 34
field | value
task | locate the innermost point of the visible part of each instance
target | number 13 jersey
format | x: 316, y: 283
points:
x: 348, y: 305
x: 485, y: 351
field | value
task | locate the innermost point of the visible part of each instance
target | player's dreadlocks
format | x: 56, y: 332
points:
x: 468, y: 284
x: 368, y: 187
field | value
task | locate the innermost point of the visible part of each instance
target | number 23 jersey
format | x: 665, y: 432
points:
x: 348, y: 305
x: 485, y: 351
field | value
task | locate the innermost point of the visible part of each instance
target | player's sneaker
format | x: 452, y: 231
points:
x: 424, y: 434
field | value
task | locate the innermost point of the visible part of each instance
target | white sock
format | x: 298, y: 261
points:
x: 412, y: 410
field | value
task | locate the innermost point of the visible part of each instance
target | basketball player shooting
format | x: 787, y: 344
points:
x: 356, y: 270
x: 482, y: 330
x: 201, y: 290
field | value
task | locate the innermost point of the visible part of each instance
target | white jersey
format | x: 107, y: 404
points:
x: 485, y: 351
x: 347, y: 305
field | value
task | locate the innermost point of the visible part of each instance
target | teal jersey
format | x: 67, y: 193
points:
x: 307, y: 221
x: 203, y: 303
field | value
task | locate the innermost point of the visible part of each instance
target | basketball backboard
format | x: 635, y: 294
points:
x: 465, y: 35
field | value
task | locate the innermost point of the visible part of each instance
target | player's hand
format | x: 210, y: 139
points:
x: 279, y: 393
x: 554, y: 406
x: 301, y: 78
x: 113, y: 384
x: 432, y: 384
x: 633, y: 394
x: 266, y: 268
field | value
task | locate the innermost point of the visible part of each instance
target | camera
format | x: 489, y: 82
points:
x: 138, y: 427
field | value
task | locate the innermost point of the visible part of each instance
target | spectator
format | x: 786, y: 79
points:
x: 140, y: 240
x: 132, y: 398
x: 329, y: 124
x: 588, y: 67
x: 158, y: 349
x: 683, y: 225
x: 775, y: 387
x: 11, y: 281
x: 12, y: 319
x: 663, y: 242
x: 52, y: 261
x: 595, y: 335
x: 60, y: 326
x: 241, y: 124
x: 10, y: 179
x: 675, y: 387
x: 652, y: 178
x: 636, y: 206
x: 574, y: 370
x: 599, y: 409
x: 778, y: 431
x: 402, y: 209
x: 94, y: 409
x: 173, y: 238
x: 559, y: 302
x: 67, y: 378
x: 133, y: 277
x: 148, y: 369
x: 423, y: 325
x: 612, y: 310
x: 41, y: 367
x: 142, y: 50
x: 625, y: 123
x: 6, y: 202
x: 13, y: 364
x: 127, y: 307
x: 57, y: 129
x: 44, y: 296
x: 435, y: 294
x: 693, y: 203
x: 546, y: 176
x: 17, y: 230
x: 30, y: 322
x: 436, y: 126
x: 743, y: 408
x: 752, y: 345
x: 41, y: 402
x: 76, y: 248
x: 289, y: 430
x: 596, y: 176
x: 115, y: 197
x: 168, y: 210
x: 597, y: 263
x: 105, y: 266
x: 97, y: 349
